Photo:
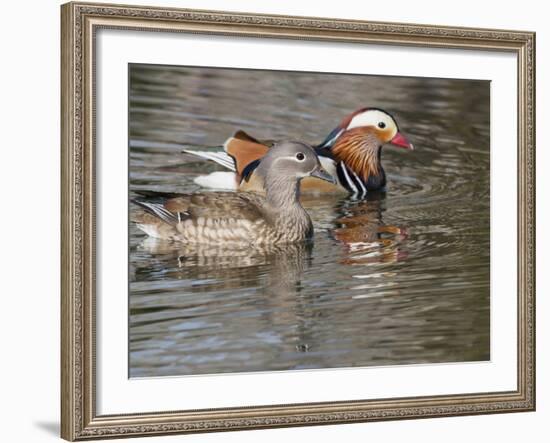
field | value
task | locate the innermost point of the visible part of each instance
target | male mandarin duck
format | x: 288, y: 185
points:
x: 351, y: 153
x: 240, y: 218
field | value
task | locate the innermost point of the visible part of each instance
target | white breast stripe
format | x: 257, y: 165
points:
x: 348, y: 179
x: 364, y: 190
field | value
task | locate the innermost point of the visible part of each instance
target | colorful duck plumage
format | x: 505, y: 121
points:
x: 351, y: 153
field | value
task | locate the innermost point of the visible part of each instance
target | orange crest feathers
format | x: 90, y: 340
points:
x: 359, y: 149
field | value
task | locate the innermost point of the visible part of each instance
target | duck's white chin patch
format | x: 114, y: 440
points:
x: 217, y: 180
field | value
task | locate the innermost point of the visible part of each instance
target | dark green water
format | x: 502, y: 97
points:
x: 399, y: 278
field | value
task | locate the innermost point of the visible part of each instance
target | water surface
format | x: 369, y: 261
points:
x: 399, y: 278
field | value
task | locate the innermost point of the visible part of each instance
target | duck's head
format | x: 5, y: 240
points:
x: 377, y: 126
x: 292, y: 161
x: 358, y: 141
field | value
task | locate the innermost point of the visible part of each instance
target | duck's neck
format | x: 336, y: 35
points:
x: 282, y: 193
x: 361, y: 153
x: 283, y: 208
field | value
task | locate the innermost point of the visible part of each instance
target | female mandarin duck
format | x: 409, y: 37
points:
x: 240, y: 218
x: 351, y: 153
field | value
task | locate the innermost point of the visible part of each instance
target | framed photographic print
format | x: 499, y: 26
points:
x: 282, y: 221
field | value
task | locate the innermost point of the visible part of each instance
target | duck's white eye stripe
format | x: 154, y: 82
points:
x: 372, y: 117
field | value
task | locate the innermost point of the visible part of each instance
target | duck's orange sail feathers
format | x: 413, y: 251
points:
x: 244, y: 149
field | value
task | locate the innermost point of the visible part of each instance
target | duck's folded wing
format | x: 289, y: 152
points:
x: 219, y: 206
x: 220, y: 157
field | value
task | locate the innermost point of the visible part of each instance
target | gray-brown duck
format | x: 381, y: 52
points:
x: 240, y: 217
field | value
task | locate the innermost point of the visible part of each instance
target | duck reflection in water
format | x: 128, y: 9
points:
x: 278, y: 266
x: 276, y: 270
x: 365, y: 237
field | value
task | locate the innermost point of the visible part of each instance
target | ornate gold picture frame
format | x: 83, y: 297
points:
x: 80, y: 22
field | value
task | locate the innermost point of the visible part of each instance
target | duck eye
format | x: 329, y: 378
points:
x: 381, y: 125
x: 300, y: 157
